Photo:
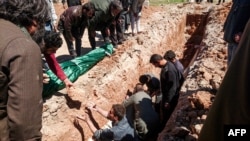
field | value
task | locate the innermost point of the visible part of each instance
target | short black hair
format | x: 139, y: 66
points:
x: 169, y: 55
x: 48, y: 39
x: 155, y: 58
x: 88, y: 6
x: 52, y: 39
x: 144, y: 78
x: 23, y: 12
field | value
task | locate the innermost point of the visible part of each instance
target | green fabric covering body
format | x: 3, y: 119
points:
x: 75, y: 68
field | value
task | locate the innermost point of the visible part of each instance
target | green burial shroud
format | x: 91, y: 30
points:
x: 75, y: 68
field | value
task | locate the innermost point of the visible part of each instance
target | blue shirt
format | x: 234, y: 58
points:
x: 120, y: 131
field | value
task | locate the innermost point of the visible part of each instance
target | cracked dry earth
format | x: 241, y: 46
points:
x: 193, y: 31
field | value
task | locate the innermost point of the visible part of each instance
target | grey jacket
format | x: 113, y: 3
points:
x: 143, y: 110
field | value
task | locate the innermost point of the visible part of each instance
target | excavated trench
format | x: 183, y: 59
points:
x: 196, y: 24
x: 110, y: 79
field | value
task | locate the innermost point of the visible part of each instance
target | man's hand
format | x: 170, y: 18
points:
x: 237, y: 37
x: 46, y: 78
x: 166, y: 106
x: 68, y: 84
x: 91, y: 106
x: 107, y: 31
x: 82, y: 117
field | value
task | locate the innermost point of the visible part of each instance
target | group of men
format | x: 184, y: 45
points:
x: 21, y: 80
x: 27, y: 30
x: 138, y: 117
x: 111, y: 18
x: 21, y: 37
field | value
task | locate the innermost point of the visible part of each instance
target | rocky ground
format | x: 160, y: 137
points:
x: 193, y: 31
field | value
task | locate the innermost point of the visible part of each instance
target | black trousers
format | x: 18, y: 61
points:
x: 91, y: 35
x: 77, y: 33
x: 166, y: 113
x: 118, y: 28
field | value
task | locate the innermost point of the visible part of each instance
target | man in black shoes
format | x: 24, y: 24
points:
x: 72, y: 24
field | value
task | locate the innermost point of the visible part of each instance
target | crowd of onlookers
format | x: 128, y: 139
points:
x: 110, y: 17
x: 27, y: 30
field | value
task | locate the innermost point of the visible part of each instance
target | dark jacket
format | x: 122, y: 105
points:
x: 72, y: 18
x: 169, y: 78
x: 22, y: 63
x: 236, y: 19
x: 72, y: 2
x: 103, y: 17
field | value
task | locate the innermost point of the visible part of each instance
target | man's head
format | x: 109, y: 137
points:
x: 30, y: 14
x: 49, y: 41
x: 138, y: 87
x: 88, y: 10
x: 144, y: 78
x: 115, y: 7
x: 157, y: 60
x: 117, y: 112
x: 169, y: 55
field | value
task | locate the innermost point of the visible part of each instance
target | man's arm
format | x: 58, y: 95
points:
x: 88, y: 121
x: 128, y: 101
x: 57, y: 70
x: 93, y: 106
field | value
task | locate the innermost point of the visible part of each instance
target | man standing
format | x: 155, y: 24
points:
x: 117, y: 28
x: 21, y: 95
x: 106, y: 12
x: 171, y: 56
x: 51, y: 21
x: 120, y: 130
x: 169, y: 78
x: 234, y: 26
x: 135, y: 15
x: 72, y: 24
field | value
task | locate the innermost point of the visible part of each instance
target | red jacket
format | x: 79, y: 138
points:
x: 54, y: 66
